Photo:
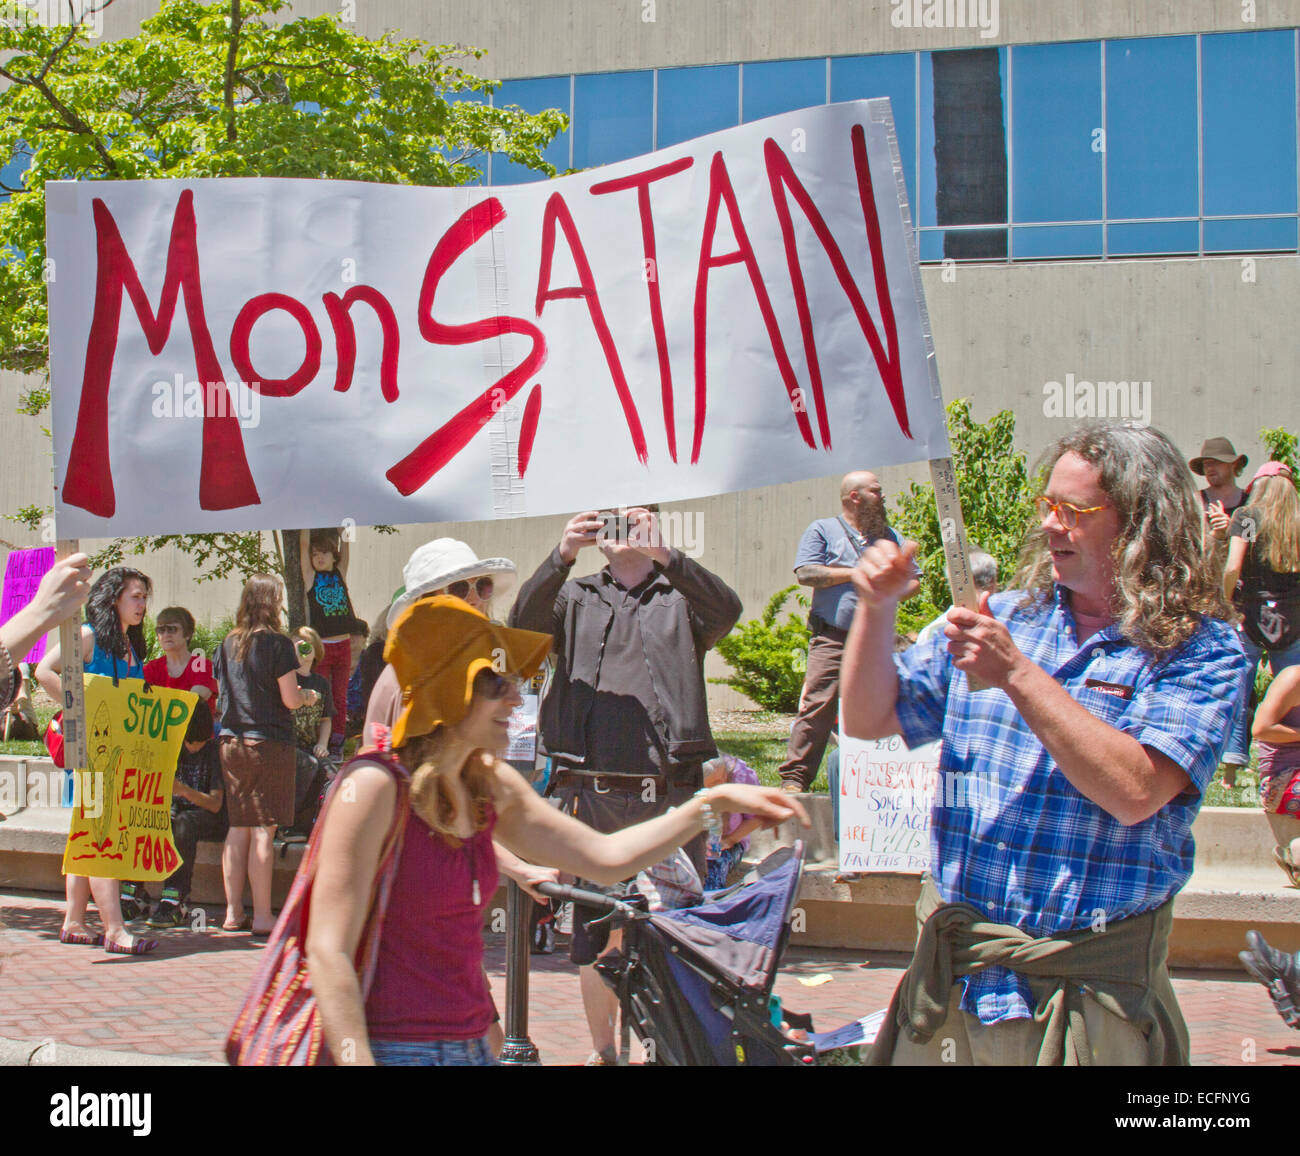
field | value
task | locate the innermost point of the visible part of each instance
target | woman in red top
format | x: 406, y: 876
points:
x: 429, y: 1002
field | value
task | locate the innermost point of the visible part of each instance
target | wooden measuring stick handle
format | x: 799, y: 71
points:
x: 956, y: 551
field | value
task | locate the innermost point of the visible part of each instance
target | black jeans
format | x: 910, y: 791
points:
x: 189, y: 828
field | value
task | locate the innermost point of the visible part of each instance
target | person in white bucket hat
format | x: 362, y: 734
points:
x: 444, y: 563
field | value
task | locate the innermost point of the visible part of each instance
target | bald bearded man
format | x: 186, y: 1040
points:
x: 828, y: 552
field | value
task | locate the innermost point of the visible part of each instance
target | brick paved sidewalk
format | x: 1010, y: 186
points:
x: 181, y: 999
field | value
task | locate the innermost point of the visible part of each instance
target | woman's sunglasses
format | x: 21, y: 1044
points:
x: 482, y: 587
x: 496, y: 686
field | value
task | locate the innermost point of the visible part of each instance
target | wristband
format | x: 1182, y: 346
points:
x: 709, y: 817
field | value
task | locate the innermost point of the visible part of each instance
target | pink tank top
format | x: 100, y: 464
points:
x: 1279, y: 758
x: 429, y: 982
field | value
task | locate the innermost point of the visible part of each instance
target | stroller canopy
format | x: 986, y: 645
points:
x: 739, y: 933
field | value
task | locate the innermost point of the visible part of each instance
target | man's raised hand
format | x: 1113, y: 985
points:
x: 643, y: 534
x: 578, y: 532
x: 884, y: 572
x: 980, y: 645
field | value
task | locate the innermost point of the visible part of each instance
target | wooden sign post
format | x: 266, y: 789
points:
x: 73, y: 681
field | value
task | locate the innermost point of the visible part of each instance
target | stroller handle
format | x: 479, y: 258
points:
x: 594, y: 899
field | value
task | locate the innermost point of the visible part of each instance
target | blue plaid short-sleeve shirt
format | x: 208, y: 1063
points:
x: 1010, y: 834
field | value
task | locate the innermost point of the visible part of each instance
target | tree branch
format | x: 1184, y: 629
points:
x: 231, y: 55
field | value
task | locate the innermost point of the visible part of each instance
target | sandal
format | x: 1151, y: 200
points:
x: 1282, y: 857
x: 138, y: 947
x: 81, y: 937
x: 244, y: 924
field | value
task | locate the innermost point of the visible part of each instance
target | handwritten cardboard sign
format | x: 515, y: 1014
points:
x: 121, y: 821
x: 886, y: 796
x: 24, y: 570
x: 738, y: 310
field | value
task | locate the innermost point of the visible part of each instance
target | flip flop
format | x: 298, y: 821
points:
x: 1282, y: 857
x: 83, y: 938
x: 243, y: 925
x: 139, y: 947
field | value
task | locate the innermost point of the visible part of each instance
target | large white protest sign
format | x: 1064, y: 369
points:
x: 886, y: 796
x: 743, y: 309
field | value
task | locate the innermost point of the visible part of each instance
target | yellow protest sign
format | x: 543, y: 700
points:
x: 121, y: 822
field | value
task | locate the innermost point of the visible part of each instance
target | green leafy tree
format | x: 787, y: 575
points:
x: 233, y: 89
x: 1281, y: 446
x: 996, y: 492
x: 769, y: 657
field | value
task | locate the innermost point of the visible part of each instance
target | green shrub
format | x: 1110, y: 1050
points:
x: 1281, y: 445
x: 769, y: 658
x: 996, y: 494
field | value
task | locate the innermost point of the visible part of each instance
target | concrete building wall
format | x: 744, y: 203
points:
x: 544, y: 37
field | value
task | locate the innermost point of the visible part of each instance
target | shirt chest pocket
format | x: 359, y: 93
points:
x: 1109, y: 703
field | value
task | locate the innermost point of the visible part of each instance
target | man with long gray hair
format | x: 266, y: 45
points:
x: 1109, y: 674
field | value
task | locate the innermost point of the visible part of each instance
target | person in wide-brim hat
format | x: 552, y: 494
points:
x: 446, y: 562
x: 1218, y: 450
x: 425, y: 998
x: 444, y: 565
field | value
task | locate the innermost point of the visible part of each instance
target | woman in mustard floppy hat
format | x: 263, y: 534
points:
x: 427, y: 1001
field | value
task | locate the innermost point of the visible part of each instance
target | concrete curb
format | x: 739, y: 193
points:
x: 52, y: 1054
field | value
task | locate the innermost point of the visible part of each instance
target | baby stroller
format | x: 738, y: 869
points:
x: 695, y: 983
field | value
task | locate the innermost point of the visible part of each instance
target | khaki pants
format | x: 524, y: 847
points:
x: 963, y: 1041
x: 818, y: 715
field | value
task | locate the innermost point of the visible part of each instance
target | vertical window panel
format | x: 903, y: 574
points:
x: 1248, y: 100
x: 697, y: 101
x: 1151, y: 127
x: 894, y: 76
x: 1056, y: 142
x: 613, y: 117
x: 533, y: 96
x: 774, y: 86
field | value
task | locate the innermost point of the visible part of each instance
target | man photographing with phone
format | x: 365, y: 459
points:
x: 626, y: 718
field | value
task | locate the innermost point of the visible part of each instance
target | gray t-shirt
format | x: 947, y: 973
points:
x: 832, y: 542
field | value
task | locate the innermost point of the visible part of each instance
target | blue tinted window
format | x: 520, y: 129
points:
x: 1057, y: 241
x: 1250, y: 236
x: 894, y: 76
x: 1153, y: 237
x: 533, y: 96
x: 1248, y: 101
x: 1055, y: 112
x: 613, y: 117
x: 782, y: 86
x: 931, y: 247
x: 697, y: 101
x: 1151, y: 128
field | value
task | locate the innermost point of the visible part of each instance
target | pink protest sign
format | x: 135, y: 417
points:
x: 24, y: 570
